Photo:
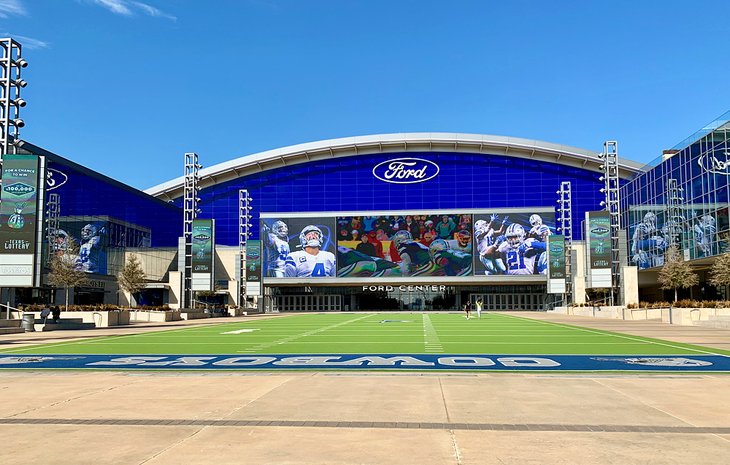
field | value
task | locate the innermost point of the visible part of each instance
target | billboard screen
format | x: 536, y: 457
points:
x: 202, y: 246
x: 92, y: 240
x: 556, y: 256
x: 599, y: 239
x: 253, y: 261
x: 405, y: 245
x: 298, y: 247
x: 512, y: 243
x: 18, y: 210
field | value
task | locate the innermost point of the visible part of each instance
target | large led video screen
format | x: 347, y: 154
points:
x: 298, y: 247
x: 404, y: 245
x: 91, y: 239
x: 512, y: 243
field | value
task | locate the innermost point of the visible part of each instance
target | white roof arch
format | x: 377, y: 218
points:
x: 393, y: 143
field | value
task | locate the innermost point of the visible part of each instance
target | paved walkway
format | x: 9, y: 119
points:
x: 320, y: 418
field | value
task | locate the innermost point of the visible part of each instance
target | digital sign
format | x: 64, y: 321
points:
x: 298, y: 247
x: 405, y: 245
x: 512, y: 243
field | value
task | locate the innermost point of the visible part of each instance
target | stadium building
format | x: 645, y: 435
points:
x: 419, y: 221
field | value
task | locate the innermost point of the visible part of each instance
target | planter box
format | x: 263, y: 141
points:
x: 101, y: 318
x: 154, y: 315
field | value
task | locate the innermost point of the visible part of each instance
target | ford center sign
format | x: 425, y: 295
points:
x: 406, y: 170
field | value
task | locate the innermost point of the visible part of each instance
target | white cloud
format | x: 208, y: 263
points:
x: 130, y: 7
x: 26, y: 42
x: 10, y: 8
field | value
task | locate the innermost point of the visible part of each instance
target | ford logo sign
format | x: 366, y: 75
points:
x: 406, y: 170
x: 55, y: 179
x: 201, y: 237
x: 714, y: 165
x: 599, y: 230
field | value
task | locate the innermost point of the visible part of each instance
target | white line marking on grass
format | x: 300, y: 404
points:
x: 299, y: 336
x: 561, y: 325
x: 240, y: 331
x: 430, y: 338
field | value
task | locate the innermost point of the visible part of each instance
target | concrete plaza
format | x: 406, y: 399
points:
x: 74, y: 417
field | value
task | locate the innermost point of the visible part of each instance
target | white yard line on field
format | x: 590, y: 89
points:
x: 637, y: 339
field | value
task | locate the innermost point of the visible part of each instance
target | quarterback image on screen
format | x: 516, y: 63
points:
x: 276, y: 244
x: 311, y: 260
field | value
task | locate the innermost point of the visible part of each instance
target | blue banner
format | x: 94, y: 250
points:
x: 480, y: 362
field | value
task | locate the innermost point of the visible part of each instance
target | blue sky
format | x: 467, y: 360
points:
x: 126, y: 87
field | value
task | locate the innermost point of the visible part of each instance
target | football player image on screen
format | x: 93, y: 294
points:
x: 354, y: 263
x: 90, y: 252
x: 520, y: 255
x: 311, y: 261
x: 449, y: 262
x: 414, y: 257
x: 462, y: 241
x: 538, y: 230
x: 488, y: 235
x: 276, y: 245
x: 704, y: 233
x: 648, y: 243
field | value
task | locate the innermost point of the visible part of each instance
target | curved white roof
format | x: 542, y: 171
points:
x: 391, y: 143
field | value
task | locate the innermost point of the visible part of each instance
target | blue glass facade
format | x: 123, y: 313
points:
x: 85, y: 193
x: 465, y: 181
x: 682, y: 200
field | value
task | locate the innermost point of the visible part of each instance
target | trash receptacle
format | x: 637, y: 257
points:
x: 28, y: 322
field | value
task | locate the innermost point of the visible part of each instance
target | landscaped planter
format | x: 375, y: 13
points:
x: 101, y: 318
x: 154, y: 315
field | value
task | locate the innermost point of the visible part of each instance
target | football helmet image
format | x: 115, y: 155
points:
x: 463, y: 237
x: 436, y: 247
x: 88, y: 231
x: 535, y: 220
x: 650, y: 218
x: 311, y: 236
x: 401, y: 237
x: 280, y: 229
x: 708, y: 221
x: 480, y: 225
x: 515, y: 235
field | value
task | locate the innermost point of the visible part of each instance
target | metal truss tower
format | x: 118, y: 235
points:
x: 11, y: 63
x: 244, y: 233
x: 674, y: 218
x: 190, y: 212
x: 53, y: 214
x: 565, y: 212
x: 611, y: 203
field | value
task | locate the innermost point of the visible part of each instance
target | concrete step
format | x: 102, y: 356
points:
x: 9, y: 323
x: 11, y: 330
x: 71, y: 323
x: 719, y: 324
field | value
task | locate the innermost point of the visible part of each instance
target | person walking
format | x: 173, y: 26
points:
x: 479, y: 308
x: 467, y: 309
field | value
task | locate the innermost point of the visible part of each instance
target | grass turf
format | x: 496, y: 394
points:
x: 376, y: 333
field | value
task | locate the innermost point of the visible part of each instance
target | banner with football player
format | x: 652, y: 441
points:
x: 512, y: 242
x: 298, y: 247
x: 405, y: 245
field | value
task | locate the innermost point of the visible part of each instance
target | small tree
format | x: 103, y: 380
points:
x: 132, y: 278
x: 720, y: 272
x: 676, y: 272
x: 64, y: 272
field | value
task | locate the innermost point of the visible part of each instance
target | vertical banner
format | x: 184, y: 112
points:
x: 18, y: 219
x: 598, y: 234
x: 203, y: 248
x: 556, y: 264
x: 253, y: 268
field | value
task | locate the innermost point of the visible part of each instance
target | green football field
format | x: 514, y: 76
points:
x: 376, y: 333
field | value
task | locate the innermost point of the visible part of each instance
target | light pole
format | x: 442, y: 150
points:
x: 11, y: 63
x: 244, y: 233
x: 610, y: 189
x: 190, y: 212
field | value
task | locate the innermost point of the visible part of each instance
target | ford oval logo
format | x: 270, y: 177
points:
x: 599, y: 231
x: 714, y: 165
x: 406, y: 170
